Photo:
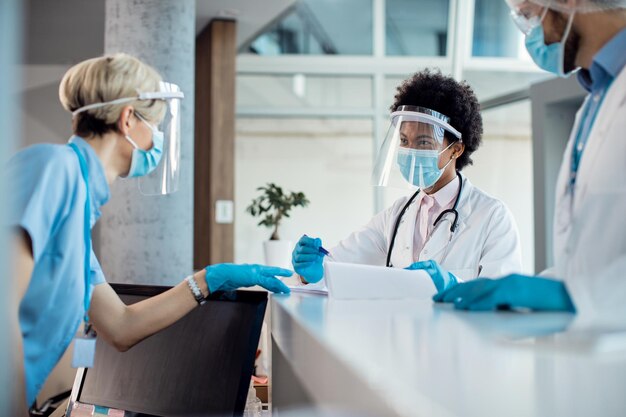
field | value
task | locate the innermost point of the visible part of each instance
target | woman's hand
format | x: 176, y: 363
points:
x: 228, y: 277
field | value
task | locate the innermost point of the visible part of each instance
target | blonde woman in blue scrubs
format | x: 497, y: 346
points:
x: 56, y: 192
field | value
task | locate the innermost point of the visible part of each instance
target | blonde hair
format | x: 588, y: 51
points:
x: 104, y: 79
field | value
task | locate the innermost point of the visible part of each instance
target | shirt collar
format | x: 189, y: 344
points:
x: 98, y: 186
x: 446, y: 194
x: 606, y: 65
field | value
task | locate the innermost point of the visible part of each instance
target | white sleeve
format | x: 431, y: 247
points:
x: 600, y: 299
x: 501, y: 253
x: 367, y: 245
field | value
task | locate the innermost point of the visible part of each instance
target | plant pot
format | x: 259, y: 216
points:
x: 278, y: 253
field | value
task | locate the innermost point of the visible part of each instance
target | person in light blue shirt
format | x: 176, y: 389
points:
x: 44, y: 188
x: 589, y: 233
x: 55, y: 197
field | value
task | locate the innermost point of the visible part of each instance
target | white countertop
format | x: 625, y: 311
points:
x: 418, y: 358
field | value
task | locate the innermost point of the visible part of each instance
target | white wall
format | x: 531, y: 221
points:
x: 330, y: 160
x: 503, y: 168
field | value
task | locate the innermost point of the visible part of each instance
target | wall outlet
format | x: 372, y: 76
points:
x: 224, y: 211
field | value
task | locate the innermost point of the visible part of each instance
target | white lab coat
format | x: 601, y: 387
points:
x: 590, y: 234
x: 486, y: 242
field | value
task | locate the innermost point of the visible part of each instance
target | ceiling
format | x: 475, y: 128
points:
x: 63, y: 32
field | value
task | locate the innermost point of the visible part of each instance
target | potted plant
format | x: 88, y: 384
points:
x: 273, y: 206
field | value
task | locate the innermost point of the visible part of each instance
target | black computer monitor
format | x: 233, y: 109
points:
x: 201, y: 365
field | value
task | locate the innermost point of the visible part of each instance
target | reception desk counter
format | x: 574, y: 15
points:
x: 417, y: 358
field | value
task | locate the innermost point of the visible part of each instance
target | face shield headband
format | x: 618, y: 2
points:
x: 163, y: 178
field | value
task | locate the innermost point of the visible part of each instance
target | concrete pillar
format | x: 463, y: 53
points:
x: 10, y: 46
x: 149, y: 240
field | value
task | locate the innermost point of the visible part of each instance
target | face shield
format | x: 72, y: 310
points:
x: 566, y: 7
x: 162, y: 179
x: 409, y: 156
x: 527, y: 14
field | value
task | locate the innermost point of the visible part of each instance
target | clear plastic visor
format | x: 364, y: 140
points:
x: 165, y: 177
x: 573, y: 6
x: 413, y: 131
x: 526, y: 14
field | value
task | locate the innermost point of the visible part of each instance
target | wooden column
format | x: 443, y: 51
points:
x: 214, y: 177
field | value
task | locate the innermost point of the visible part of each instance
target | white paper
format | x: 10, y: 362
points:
x: 353, y: 281
x: 306, y: 290
x: 318, y: 288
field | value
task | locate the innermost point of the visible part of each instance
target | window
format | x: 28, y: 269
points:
x: 303, y: 91
x: 495, y: 35
x: 319, y: 27
x: 416, y: 27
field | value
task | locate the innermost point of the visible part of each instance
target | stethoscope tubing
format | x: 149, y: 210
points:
x: 453, y: 211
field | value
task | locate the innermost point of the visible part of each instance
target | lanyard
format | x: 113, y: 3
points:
x: 87, y: 229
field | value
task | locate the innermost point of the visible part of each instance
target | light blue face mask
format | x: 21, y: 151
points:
x: 144, y: 162
x: 421, y: 167
x: 548, y: 57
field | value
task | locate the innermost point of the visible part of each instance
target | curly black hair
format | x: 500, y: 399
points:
x: 433, y: 90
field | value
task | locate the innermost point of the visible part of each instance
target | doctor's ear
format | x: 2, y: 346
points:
x: 126, y: 121
x: 457, y: 150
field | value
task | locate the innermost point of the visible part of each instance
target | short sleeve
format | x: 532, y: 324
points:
x: 41, y: 184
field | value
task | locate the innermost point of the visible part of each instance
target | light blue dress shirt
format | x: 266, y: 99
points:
x: 47, y: 199
x: 606, y: 66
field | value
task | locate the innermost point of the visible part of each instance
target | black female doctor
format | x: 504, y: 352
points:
x: 444, y: 225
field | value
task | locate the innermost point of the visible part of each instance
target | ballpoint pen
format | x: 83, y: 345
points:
x: 323, y: 251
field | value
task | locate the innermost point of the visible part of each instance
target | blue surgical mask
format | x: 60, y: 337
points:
x: 144, y: 162
x: 420, y: 167
x: 548, y: 57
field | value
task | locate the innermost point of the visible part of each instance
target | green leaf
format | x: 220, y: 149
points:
x: 274, y: 204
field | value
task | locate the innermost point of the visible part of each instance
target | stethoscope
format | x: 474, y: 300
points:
x: 452, y: 210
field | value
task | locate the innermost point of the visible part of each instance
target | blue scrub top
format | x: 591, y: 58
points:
x: 47, y: 199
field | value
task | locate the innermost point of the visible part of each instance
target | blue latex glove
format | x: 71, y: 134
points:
x: 307, y: 260
x: 441, y: 278
x: 512, y: 291
x: 228, y: 277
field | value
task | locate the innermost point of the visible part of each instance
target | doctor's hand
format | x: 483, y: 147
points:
x: 442, y: 279
x: 228, y: 277
x: 512, y: 291
x: 307, y: 260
